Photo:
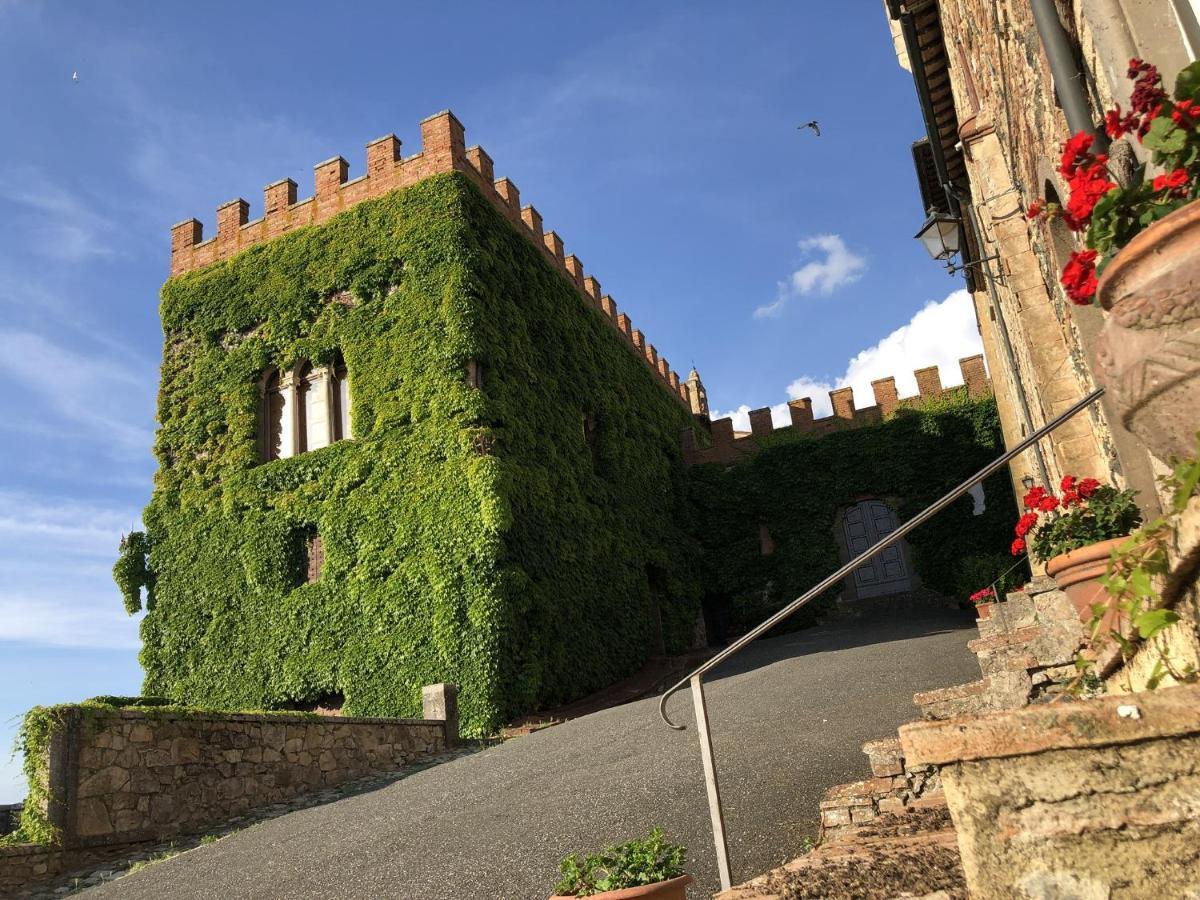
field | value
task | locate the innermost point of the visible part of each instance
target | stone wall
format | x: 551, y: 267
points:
x: 995, y: 93
x: 126, y: 775
x: 23, y: 867
x: 1099, y: 798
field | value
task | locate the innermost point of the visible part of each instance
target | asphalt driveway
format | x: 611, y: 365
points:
x: 789, y: 717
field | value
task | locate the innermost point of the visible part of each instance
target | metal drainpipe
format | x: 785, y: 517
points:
x: 1006, y: 342
x: 1068, y: 79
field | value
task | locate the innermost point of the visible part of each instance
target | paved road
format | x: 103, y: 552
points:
x: 789, y: 717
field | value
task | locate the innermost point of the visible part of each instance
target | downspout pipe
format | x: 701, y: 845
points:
x: 1068, y: 78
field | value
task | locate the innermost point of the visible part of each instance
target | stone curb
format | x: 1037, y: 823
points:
x: 1103, y: 721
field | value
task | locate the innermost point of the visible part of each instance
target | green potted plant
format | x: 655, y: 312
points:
x: 647, y: 867
x: 1074, y: 534
x: 1141, y: 258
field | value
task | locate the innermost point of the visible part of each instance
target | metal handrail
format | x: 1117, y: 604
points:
x: 695, y: 678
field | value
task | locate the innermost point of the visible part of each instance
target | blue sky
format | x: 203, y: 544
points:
x: 658, y: 139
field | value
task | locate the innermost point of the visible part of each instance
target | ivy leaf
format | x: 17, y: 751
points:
x: 1165, y: 136
x: 1151, y: 623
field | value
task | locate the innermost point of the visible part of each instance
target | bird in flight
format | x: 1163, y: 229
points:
x: 813, y: 125
x: 74, y: 76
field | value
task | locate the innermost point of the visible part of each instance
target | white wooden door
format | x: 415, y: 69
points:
x: 886, y: 572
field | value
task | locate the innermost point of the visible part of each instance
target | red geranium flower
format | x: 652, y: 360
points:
x: 1185, y: 113
x: 1018, y: 547
x: 1070, y: 498
x: 1049, y: 503
x: 983, y: 596
x: 1088, y: 185
x: 1077, y: 150
x: 1034, y: 497
x: 1035, y: 209
x: 1171, y: 181
x: 1079, y: 276
x: 1087, y: 487
x: 1068, y: 483
x: 1117, y: 125
x: 1025, y: 523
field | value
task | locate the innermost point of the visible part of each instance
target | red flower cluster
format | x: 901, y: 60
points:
x: 1076, y: 491
x: 1087, y: 177
x: 1039, y: 500
x: 1185, y: 113
x: 1079, y: 276
x: 1176, y: 182
x: 987, y: 595
x: 1118, y: 125
x: 1148, y: 96
x: 1036, y: 208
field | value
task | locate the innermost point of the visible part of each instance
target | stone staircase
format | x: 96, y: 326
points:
x: 879, y: 835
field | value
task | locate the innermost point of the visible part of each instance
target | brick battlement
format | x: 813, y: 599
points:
x: 729, y: 446
x: 443, y: 149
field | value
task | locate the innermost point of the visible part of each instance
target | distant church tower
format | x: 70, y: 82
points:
x: 697, y: 396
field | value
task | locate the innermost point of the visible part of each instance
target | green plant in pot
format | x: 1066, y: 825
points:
x: 1075, y: 533
x: 1141, y: 258
x: 648, y: 867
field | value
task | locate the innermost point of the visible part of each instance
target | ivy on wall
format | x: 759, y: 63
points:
x: 796, y: 485
x: 471, y: 534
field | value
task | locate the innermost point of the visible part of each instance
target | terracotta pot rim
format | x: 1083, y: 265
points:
x: 1082, y: 555
x: 1143, y: 243
x: 645, y: 890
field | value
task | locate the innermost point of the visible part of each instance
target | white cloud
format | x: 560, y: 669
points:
x: 837, y: 267
x: 939, y: 334
x: 60, y: 554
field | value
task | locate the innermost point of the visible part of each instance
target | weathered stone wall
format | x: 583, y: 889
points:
x: 132, y: 775
x: 1011, y: 127
x: 24, y: 868
x: 1093, y: 799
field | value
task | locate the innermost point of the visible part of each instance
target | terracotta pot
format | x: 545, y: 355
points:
x: 1148, y: 353
x: 984, y: 610
x: 1078, y: 573
x: 673, y: 889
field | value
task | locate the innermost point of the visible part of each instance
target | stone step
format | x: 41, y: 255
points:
x: 959, y: 700
x: 885, y: 756
x: 894, y: 857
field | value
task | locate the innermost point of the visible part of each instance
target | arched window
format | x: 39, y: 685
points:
x: 341, y: 402
x: 272, y: 418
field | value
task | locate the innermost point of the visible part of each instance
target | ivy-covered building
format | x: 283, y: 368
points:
x: 405, y: 440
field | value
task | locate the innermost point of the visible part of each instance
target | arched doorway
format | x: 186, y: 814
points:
x: 887, y: 572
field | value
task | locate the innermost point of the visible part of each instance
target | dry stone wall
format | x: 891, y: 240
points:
x: 132, y: 775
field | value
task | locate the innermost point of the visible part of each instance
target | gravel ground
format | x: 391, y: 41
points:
x: 789, y: 717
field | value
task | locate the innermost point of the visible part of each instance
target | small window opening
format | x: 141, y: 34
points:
x: 314, y: 557
x: 474, y: 373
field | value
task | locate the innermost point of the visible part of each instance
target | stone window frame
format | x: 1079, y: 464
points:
x: 306, y: 392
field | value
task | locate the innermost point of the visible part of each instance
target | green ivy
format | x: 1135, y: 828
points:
x: 132, y: 573
x: 796, y: 485
x: 470, y: 535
